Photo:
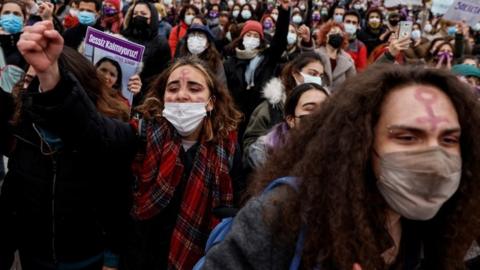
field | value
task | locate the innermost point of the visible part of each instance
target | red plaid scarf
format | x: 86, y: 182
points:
x: 209, y: 185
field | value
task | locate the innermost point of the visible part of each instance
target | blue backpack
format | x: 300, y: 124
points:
x: 223, y: 228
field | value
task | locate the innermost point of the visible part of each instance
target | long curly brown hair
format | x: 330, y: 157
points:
x: 224, y: 117
x: 340, y: 205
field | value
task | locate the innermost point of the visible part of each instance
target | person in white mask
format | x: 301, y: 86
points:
x: 385, y: 178
x: 187, y: 159
x: 186, y: 16
x: 356, y: 49
x: 307, y: 67
x: 253, y: 63
x: 199, y: 41
x: 246, y: 13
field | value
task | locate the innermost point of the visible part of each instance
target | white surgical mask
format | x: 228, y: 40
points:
x: 185, y: 117
x: 350, y: 28
x: 428, y: 28
x: 196, y: 44
x: 338, y: 18
x: 242, y: 2
x: 291, y: 38
x: 416, y: 34
x: 251, y: 43
x: 476, y: 27
x: 275, y: 16
x: 167, y: 2
x: 311, y: 79
x: 189, y: 19
x: 34, y: 9
x: 235, y: 13
x: 246, y: 14
x: 297, y: 19
x: 73, y: 12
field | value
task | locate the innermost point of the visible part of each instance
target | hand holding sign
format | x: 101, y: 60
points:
x: 41, y: 46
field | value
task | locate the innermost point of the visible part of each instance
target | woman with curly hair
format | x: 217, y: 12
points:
x: 187, y: 159
x: 332, y: 41
x: 387, y: 175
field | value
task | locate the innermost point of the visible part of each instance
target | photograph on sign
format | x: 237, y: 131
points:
x: 118, y: 59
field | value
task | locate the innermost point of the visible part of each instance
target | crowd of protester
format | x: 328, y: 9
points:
x: 371, y: 135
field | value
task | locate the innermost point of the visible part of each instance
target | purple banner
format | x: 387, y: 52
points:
x: 117, y: 46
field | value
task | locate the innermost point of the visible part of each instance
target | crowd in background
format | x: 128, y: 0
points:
x: 230, y: 96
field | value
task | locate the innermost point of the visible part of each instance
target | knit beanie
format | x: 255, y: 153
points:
x: 252, y: 26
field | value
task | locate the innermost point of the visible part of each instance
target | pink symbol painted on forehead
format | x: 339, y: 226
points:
x: 428, y: 98
x: 184, y: 75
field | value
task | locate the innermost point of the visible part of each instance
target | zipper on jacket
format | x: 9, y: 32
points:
x: 54, y: 183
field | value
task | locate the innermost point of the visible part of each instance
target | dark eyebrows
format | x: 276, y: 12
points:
x: 309, y: 104
x: 417, y: 130
x: 190, y: 83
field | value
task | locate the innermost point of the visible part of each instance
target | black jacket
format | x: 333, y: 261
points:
x: 70, y: 204
x: 370, y: 38
x: 156, y: 56
x: 248, y: 100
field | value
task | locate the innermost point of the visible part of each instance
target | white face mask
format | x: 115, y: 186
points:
x: 185, y: 117
x: 235, y: 13
x: 189, y: 19
x: 476, y: 27
x: 350, y: 28
x: 242, y: 2
x: 297, y: 19
x: 73, y: 12
x: 167, y: 2
x: 291, y: 38
x: 338, y: 18
x: 251, y: 43
x: 428, y: 28
x: 311, y: 79
x: 275, y: 16
x: 196, y: 44
x: 34, y: 9
x: 416, y: 34
x: 246, y: 14
x: 228, y: 35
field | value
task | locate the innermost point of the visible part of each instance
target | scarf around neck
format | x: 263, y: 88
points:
x: 209, y: 185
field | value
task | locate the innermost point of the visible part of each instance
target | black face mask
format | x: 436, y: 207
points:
x: 140, y: 26
x: 393, y: 21
x: 335, y: 40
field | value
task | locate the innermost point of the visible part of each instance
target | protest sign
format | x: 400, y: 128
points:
x: 100, y: 46
x: 395, y: 3
x: 464, y: 10
x: 440, y: 7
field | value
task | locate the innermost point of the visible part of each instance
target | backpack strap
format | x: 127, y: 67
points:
x: 287, y: 180
x: 294, y: 183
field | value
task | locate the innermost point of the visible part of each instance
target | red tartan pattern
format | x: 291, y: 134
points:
x: 209, y: 185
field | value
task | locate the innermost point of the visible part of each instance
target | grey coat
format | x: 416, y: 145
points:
x: 251, y: 244
x: 345, y: 67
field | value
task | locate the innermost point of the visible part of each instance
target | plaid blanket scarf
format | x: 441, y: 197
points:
x: 209, y: 185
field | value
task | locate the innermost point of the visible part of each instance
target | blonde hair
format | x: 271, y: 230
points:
x: 161, y: 9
